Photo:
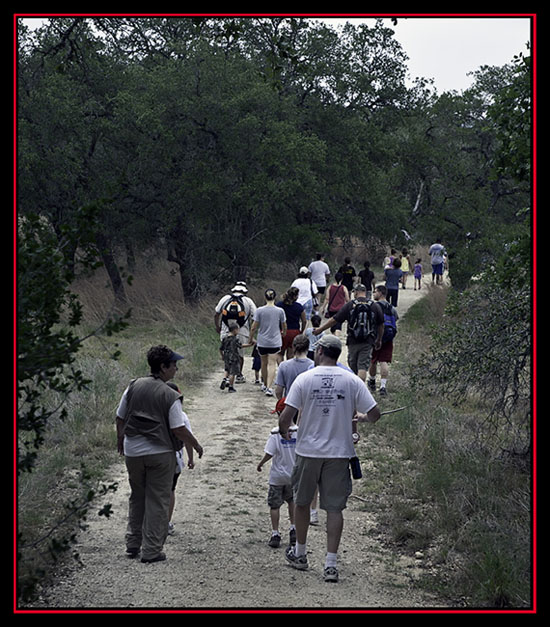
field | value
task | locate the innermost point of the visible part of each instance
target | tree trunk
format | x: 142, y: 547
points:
x: 112, y: 269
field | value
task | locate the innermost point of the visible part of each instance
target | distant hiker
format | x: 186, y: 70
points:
x: 393, y: 276
x: 319, y: 272
x: 348, y: 274
x: 150, y: 428
x: 405, y: 266
x: 282, y: 453
x: 335, y: 298
x: 237, y: 307
x: 438, y: 253
x: 418, y: 274
x: 366, y: 277
x: 308, y: 291
x: 230, y: 351
x: 270, y: 323
x: 328, y: 398
x: 383, y: 355
x: 296, y: 321
x: 364, y: 330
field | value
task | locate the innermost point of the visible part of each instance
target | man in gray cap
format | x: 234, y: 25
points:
x: 364, y: 330
x: 150, y: 428
x: 236, y: 307
x: 328, y: 397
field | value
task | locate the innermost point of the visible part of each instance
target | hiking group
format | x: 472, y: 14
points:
x: 297, y: 344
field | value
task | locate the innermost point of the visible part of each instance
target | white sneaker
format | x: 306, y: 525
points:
x: 268, y: 392
x: 313, y: 517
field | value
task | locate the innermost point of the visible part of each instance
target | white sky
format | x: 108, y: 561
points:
x: 448, y: 48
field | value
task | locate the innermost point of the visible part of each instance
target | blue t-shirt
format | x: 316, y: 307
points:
x: 293, y: 314
x: 392, y: 277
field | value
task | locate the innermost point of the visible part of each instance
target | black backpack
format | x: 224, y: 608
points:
x: 390, y: 322
x: 234, y: 310
x: 361, y: 320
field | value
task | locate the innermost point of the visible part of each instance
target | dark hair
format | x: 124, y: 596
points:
x: 290, y: 295
x: 367, y: 264
x: 347, y: 260
x: 382, y: 289
x: 397, y: 263
x: 332, y: 352
x: 316, y: 320
x: 270, y: 294
x: 158, y: 356
x: 300, y: 343
x: 320, y: 255
x: 338, y: 277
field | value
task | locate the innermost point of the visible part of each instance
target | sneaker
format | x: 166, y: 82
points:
x: 330, y: 574
x: 268, y: 392
x: 371, y: 384
x: 313, y: 518
x: 132, y: 553
x: 275, y: 541
x: 298, y: 562
x: 263, y: 388
x: 231, y: 389
x: 240, y: 379
x: 383, y: 392
x: 292, y: 537
x: 223, y: 384
x: 171, y: 529
x: 159, y: 558
x: 257, y: 382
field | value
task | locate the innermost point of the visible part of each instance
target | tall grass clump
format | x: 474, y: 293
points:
x: 450, y: 487
x: 75, y: 460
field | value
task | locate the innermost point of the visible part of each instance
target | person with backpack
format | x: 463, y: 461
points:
x: 383, y: 355
x: 235, y: 307
x: 364, y: 330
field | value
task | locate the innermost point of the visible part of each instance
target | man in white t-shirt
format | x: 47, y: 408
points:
x: 319, y: 272
x: 328, y: 397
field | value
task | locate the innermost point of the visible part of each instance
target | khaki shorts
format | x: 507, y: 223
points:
x: 359, y: 356
x: 331, y: 476
x: 279, y: 494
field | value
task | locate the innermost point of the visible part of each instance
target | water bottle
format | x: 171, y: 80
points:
x: 355, y: 466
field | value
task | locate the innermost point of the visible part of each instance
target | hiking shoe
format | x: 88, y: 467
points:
x: 298, y: 562
x: 223, y: 385
x: 132, y: 553
x: 292, y: 537
x: 383, y: 392
x: 151, y: 560
x: 275, y: 541
x: 330, y: 574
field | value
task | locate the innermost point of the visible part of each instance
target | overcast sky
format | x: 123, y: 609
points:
x: 447, y: 49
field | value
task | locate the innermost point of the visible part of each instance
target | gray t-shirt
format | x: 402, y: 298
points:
x: 288, y: 370
x: 270, y: 322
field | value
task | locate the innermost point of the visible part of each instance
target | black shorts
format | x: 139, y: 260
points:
x: 268, y: 351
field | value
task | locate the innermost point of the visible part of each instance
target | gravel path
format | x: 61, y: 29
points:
x: 218, y: 557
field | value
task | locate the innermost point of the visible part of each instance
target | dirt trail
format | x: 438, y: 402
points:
x: 218, y: 557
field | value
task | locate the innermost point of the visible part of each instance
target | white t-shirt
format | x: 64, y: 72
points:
x: 437, y: 252
x: 306, y: 288
x: 319, y: 270
x: 139, y: 445
x: 250, y: 309
x: 328, y: 397
x: 283, y: 454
